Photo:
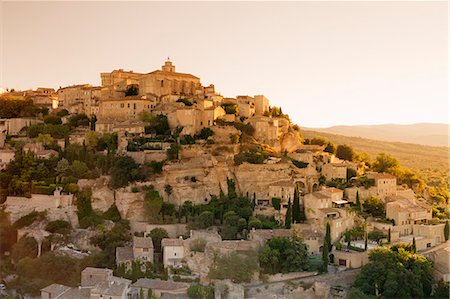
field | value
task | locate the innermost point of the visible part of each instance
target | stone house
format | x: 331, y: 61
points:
x: 340, y: 221
x: 141, y: 250
x: 282, y: 189
x: 173, y: 252
x: 117, y: 82
x: 96, y: 283
x: 159, y: 288
x: 266, y: 128
x: 385, y: 184
x: 327, y: 198
x: 122, y: 109
x: 246, y: 106
x: 6, y: 156
x: 350, y: 260
x: 334, y: 171
x: 54, y: 291
x: 406, y: 214
x: 73, y: 98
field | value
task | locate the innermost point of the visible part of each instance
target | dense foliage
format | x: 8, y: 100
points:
x: 284, y: 255
x: 395, y: 274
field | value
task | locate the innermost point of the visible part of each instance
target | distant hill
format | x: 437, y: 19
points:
x: 423, y: 133
x: 414, y: 156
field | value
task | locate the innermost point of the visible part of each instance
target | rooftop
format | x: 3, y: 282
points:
x: 159, y: 72
x: 171, y: 242
x: 124, y: 254
x: 142, y: 242
x: 159, y: 284
x: 55, y: 289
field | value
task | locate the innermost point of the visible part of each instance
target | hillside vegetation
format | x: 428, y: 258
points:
x: 421, y: 133
x: 417, y: 157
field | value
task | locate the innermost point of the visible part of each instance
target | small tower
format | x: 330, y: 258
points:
x: 168, y: 67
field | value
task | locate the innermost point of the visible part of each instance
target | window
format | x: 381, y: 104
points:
x: 428, y: 245
x: 145, y: 249
x: 175, y: 254
x: 121, y: 105
x: 128, y: 105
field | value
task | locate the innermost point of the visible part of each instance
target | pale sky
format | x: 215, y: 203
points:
x: 324, y: 63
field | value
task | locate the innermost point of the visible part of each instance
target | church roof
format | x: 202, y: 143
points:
x: 159, y: 72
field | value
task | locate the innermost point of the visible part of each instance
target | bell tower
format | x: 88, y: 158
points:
x: 168, y: 67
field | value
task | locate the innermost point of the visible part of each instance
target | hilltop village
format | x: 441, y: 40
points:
x: 155, y: 186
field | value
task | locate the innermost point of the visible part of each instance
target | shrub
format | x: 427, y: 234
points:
x: 29, y: 219
x: 276, y: 203
x: 186, y: 102
x: 205, y: 133
x: 200, y: 292
x: 239, y: 268
x: 198, y: 245
x: 300, y: 164
x: 58, y: 226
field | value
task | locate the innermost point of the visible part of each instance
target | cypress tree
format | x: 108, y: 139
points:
x: 288, y: 220
x: 446, y: 230
x: 414, y: 248
x: 328, y: 237
x: 325, y: 260
x: 365, y: 241
x: 254, y: 199
x: 141, y: 294
x: 389, y: 235
x: 296, y: 214
x: 358, y: 202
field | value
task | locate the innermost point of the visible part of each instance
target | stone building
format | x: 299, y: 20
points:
x: 385, y: 184
x: 141, y: 250
x: 327, y: 198
x: 334, y: 171
x: 118, y: 82
x: 406, y: 214
x: 173, y: 252
x: 261, y: 104
x: 121, y: 109
x: 168, y: 82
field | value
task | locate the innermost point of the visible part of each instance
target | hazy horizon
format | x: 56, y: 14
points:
x: 324, y: 63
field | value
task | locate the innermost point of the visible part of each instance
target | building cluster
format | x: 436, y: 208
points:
x: 124, y: 95
x: 99, y: 283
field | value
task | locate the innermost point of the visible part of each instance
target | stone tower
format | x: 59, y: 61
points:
x: 168, y: 67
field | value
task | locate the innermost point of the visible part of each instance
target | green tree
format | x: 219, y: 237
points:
x: 385, y: 163
x: 330, y: 148
x: 284, y: 255
x: 296, y: 214
x: 414, y: 247
x: 389, y: 235
x: 173, y: 151
x: 376, y: 235
x: 345, y: 152
x: 25, y: 247
x: 328, y: 237
x: 123, y: 171
x: 374, y: 206
x: 288, y: 219
x: 395, y: 274
x: 112, y: 213
x: 157, y: 234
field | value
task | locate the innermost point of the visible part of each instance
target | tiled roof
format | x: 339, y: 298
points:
x: 124, y: 254
x: 159, y: 284
x: 109, y: 289
x: 171, y: 242
x: 142, y: 242
x: 159, y: 72
x: 56, y: 289
x: 96, y: 270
